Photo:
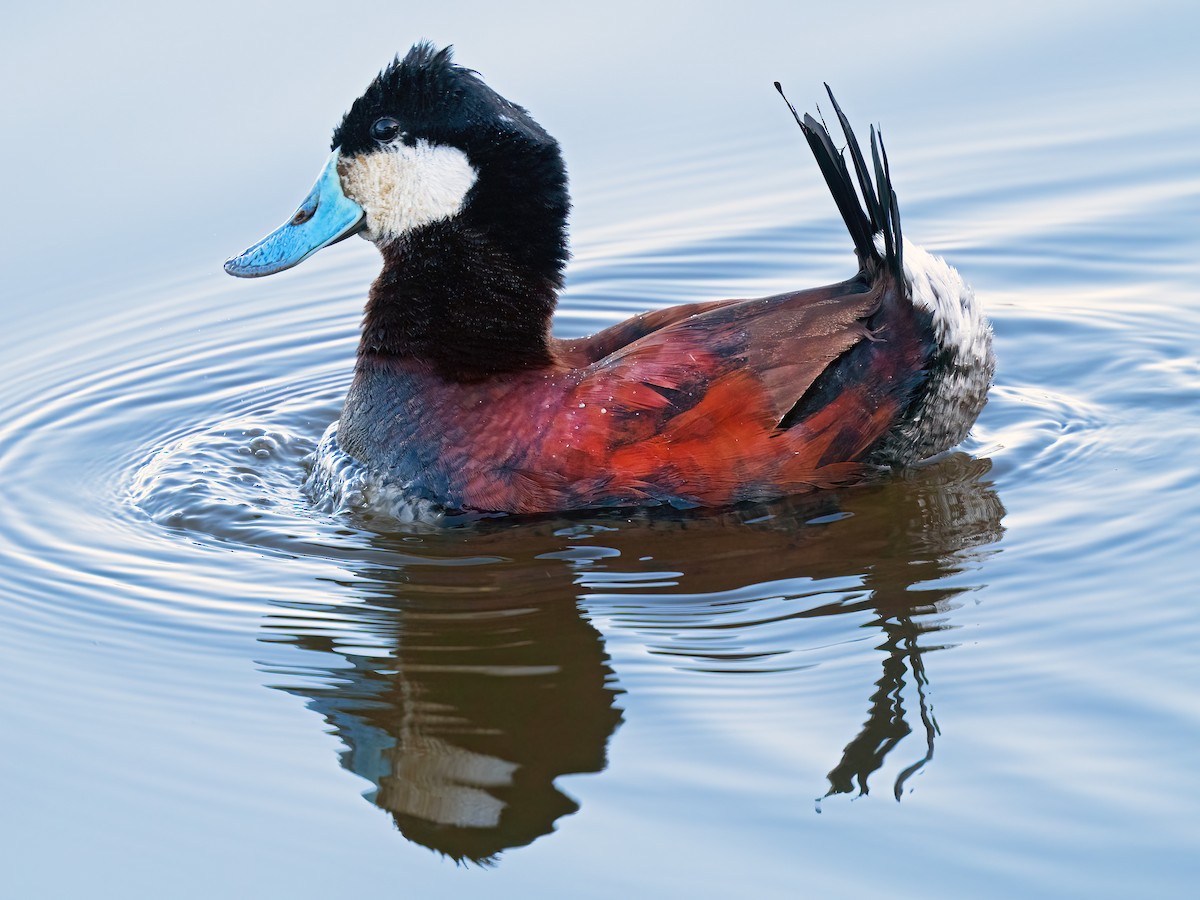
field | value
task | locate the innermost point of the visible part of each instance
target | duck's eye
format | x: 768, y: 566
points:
x: 385, y: 129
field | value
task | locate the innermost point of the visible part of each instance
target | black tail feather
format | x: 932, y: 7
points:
x: 880, y: 178
x: 894, y: 206
x: 877, y: 211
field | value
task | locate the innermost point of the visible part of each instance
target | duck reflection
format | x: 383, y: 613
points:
x: 468, y: 678
x: 922, y: 537
x: 471, y: 700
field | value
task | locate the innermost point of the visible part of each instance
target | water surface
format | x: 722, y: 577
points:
x: 978, y: 676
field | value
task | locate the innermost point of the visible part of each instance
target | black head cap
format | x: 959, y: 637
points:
x: 520, y: 198
x: 432, y: 98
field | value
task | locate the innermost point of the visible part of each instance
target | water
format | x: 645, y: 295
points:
x: 979, y: 676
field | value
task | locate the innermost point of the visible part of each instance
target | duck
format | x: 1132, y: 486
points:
x: 463, y: 399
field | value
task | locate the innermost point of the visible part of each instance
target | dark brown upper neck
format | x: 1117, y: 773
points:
x: 457, y: 301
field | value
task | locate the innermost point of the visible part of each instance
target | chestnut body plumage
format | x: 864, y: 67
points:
x: 463, y: 400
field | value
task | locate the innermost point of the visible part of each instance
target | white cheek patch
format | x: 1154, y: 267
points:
x: 401, y: 187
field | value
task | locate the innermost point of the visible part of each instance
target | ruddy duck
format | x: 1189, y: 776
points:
x: 462, y: 398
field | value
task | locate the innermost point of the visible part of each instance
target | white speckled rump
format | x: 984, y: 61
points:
x: 959, y: 385
x: 957, y: 319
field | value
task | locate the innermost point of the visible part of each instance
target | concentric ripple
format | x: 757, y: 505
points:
x: 201, y: 497
x: 185, y: 432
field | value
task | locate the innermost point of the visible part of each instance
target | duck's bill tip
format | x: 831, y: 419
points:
x: 325, y: 217
x: 242, y: 267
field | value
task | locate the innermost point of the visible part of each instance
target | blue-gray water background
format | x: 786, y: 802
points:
x: 208, y: 688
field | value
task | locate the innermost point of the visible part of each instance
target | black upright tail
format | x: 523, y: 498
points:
x: 877, y: 211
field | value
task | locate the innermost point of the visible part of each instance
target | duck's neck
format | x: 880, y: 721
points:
x: 457, y: 301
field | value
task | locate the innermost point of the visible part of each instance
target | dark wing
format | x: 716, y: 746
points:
x: 781, y: 343
x: 692, y: 410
